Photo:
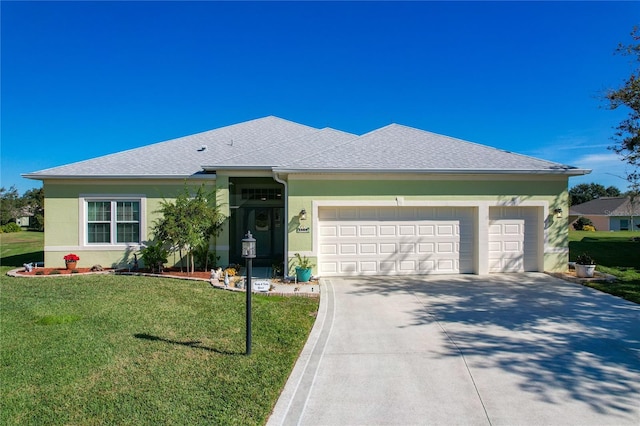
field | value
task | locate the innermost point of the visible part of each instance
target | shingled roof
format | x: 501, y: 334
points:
x: 605, y: 206
x: 276, y: 144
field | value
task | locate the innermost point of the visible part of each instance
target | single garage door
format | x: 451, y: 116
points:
x: 513, y: 239
x: 395, y: 240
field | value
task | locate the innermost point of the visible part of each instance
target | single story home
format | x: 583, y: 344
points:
x: 609, y: 213
x: 396, y: 200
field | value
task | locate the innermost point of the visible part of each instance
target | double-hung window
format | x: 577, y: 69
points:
x: 113, y: 221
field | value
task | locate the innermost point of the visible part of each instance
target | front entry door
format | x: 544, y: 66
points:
x: 266, y: 226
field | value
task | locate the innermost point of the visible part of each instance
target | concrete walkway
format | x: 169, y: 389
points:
x: 518, y: 349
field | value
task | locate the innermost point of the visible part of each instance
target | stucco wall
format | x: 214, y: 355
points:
x: 63, y: 222
x: 474, y: 190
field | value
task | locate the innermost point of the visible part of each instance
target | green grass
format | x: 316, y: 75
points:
x: 106, y: 349
x: 616, y: 254
x: 18, y: 248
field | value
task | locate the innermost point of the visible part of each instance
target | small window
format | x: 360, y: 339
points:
x: 113, y: 222
x: 262, y: 194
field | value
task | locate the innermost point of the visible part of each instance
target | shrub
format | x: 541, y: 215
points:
x: 154, y: 256
x: 581, y: 223
x: 589, y: 228
x: 54, y: 272
x: 11, y: 227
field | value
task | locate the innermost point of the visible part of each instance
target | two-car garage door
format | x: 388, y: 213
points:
x: 395, y: 240
x: 423, y: 240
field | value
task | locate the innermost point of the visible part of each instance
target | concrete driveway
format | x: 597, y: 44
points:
x: 517, y: 349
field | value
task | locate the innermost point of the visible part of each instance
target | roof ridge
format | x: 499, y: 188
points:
x: 291, y: 139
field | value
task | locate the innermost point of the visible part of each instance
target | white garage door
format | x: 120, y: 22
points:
x: 395, y: 240
x: 513, y: 239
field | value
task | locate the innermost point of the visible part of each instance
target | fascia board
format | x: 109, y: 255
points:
x: 38, y: 176
x: 570, y: 172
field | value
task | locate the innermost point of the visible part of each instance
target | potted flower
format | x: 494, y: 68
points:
x: 303, y: 268
x: 71, y: 260
x: 585, y: 266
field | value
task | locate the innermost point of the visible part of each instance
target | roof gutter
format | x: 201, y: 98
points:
x: 40, y: 176
x: 560, y: 171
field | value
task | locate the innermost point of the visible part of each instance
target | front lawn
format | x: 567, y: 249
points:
x: 106, y: 349
x: 616, y: 254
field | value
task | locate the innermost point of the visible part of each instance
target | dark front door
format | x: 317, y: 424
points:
x: 267, y: 227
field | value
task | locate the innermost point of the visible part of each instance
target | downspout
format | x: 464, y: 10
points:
x: 285, y: 262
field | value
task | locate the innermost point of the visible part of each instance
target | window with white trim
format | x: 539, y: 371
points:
x: 113, y: 221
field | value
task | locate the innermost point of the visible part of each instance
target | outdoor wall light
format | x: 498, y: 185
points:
x: 558, y: 213
x: 303, y: 214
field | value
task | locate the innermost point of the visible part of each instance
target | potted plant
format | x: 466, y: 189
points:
x: 585, y: 266
x: 303, y: 268
x: 71, y: 260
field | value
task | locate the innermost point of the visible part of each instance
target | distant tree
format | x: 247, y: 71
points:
x: 33, y: 200
x: 590, y: 191
x: 10, y: 205
x: 627, y: 135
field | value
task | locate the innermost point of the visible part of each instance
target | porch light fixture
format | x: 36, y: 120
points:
x: 558, y: 213
x: 249, y: 246
x: 249, y: 253
x: 303, y: 214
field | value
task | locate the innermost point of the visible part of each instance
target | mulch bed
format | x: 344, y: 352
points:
x: 63, y: 271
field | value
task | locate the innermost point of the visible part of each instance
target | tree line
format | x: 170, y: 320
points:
x: 13, y: 206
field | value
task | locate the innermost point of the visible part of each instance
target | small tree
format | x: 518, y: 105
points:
x: 188, y: 223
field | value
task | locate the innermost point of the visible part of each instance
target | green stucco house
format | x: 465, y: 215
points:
x: 397, y: 200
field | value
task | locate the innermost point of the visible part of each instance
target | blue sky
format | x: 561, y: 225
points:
x: 85, y: 79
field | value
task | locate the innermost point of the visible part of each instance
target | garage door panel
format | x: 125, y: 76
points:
x: 328, y: 249
x: 407, y: 230
x: 347, y: 249
x: 368, y: 248
x: 513, y: 239
x: 387, y: 248
x: 368, y: 231
x: 347, y: 231
x: 328, y: 231
x: 407, y: 248
x: 426, y: 230
x: 391, y: 244
x: 426, y: 248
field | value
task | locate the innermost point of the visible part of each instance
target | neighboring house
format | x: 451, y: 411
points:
x: 24, y: 218
x: 609, y: 213
x: 397, y: 200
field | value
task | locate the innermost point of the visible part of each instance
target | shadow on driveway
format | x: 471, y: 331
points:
x: 558, y: 341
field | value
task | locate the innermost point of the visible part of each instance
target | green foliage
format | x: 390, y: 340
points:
x: 590, y: 191
x: 613, y: 249
x: 11, y: 227
x: 303, y: 262
x: 585, y: 259
x: 627, y: 135
x: 188, y: 223
x: 582, y: 221
x: 34, y: 201
x: 101, y: 349
x: 12, y: 206
x: 154, y: 256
